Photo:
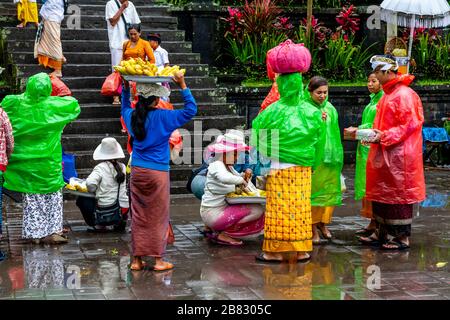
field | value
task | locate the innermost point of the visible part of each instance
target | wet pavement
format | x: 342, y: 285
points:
x: 341, y: 270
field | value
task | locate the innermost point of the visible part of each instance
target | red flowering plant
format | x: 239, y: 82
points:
x: 419, y: 32
x: 233, y: 23
x: 252, y: 30
x: 348, y: 21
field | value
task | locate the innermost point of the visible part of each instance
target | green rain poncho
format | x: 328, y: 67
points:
x: 296, y: 124
x: 362, y: 152
x: 326, y: 178
x: 38, y: 120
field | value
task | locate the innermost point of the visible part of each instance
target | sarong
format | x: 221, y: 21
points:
x: 288, y: 224
x: 27, y: 12
x: 150, y: 201
x: 322, y: 214
x: 42, y: 215
x: 393, y: 219
x: 48, y: 46
x: 236, y: 221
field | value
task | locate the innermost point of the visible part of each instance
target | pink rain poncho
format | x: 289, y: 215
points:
x: 394, y: 167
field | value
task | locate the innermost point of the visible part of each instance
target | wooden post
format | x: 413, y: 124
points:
x: 309, y: 10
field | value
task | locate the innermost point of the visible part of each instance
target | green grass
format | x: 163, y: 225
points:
x: 251, y: 83
x: 433, y: 82
x: 256, y: 83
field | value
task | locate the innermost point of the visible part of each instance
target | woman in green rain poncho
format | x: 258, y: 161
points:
x: 326, y: 180
x: 362, y: 153
x: 287, y: 132
x: 35, y: 167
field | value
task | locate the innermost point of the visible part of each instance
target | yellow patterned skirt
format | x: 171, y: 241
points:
x: 287, y: 226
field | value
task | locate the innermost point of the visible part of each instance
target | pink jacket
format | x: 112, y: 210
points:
x: 6, y: 140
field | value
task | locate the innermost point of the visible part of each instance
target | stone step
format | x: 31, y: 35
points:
x: 89, y: 34
x: 177, y: 187
x: 102, y: 57
x: 143, y: 10
x: 76, y: 70
x: 112, y: 126
x: 94, y: 21
x: 89, y: 21
x: 84, y: 161
x: 98, y: 110
x: 216, y: 95
x: 103, y: 2
x: 94, y: 46
x: 83, y: 142
x: 97, y: 82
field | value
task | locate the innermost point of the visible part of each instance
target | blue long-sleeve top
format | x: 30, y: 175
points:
x: 153, y: 152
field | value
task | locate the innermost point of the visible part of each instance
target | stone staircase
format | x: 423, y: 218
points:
x: 87, y: 53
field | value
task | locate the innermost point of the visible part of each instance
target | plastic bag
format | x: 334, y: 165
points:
x: 288, y: 131
x: 69, y: 169
x: 343, y: 185
x: 112, y: 85
x: 59, y: 88
x: 38, y: 120
x: 272, y: 97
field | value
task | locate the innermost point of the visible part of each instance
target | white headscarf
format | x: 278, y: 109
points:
x: 385, y: 62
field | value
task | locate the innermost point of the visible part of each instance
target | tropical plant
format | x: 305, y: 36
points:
x: 251, y: 52
x: 432, y: 55
x: 255, y: 18
x: 347, y: 20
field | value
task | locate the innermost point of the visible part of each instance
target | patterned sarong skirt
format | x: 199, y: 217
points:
x: 288, y: 222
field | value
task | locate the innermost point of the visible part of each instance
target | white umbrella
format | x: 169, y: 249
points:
x: 416, y: 14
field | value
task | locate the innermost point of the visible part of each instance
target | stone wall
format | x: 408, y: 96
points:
x: 349, y: 102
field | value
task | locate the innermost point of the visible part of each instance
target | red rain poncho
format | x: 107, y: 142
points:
x: 273, y: 96
x: 394, y: 167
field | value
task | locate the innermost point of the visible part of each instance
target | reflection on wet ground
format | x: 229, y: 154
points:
x: 341, y: 270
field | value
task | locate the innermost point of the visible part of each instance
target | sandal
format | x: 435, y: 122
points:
x: 168, y: 266
x: 364, y: 232
x: 307, y: 258
x: 395, y: 242
x: 372, y: 242
x: 320, y: 241
x: 260, y: 257
x: 214, y: 238
x: 327, y: 236
x: 143, y: 264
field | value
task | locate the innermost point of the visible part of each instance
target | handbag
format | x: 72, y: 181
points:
x: 110, y: 215
x: 127, y: 25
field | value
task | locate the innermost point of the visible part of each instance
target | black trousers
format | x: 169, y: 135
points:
x: 87, y: 208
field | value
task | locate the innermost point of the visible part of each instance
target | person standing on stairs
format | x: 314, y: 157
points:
x: 27, y: 12
x: 35, y: 166
x: 151, y: 129
x: 119, y: 15
x: 161, y: 56
x: 48, y: 46
x: 137, y: 47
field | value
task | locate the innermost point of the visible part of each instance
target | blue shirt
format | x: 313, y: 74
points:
x: 153, y: 152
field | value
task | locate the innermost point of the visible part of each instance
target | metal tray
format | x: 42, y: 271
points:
x: 246, y: 200
x: 147, y: 79
x: 78, y: 193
